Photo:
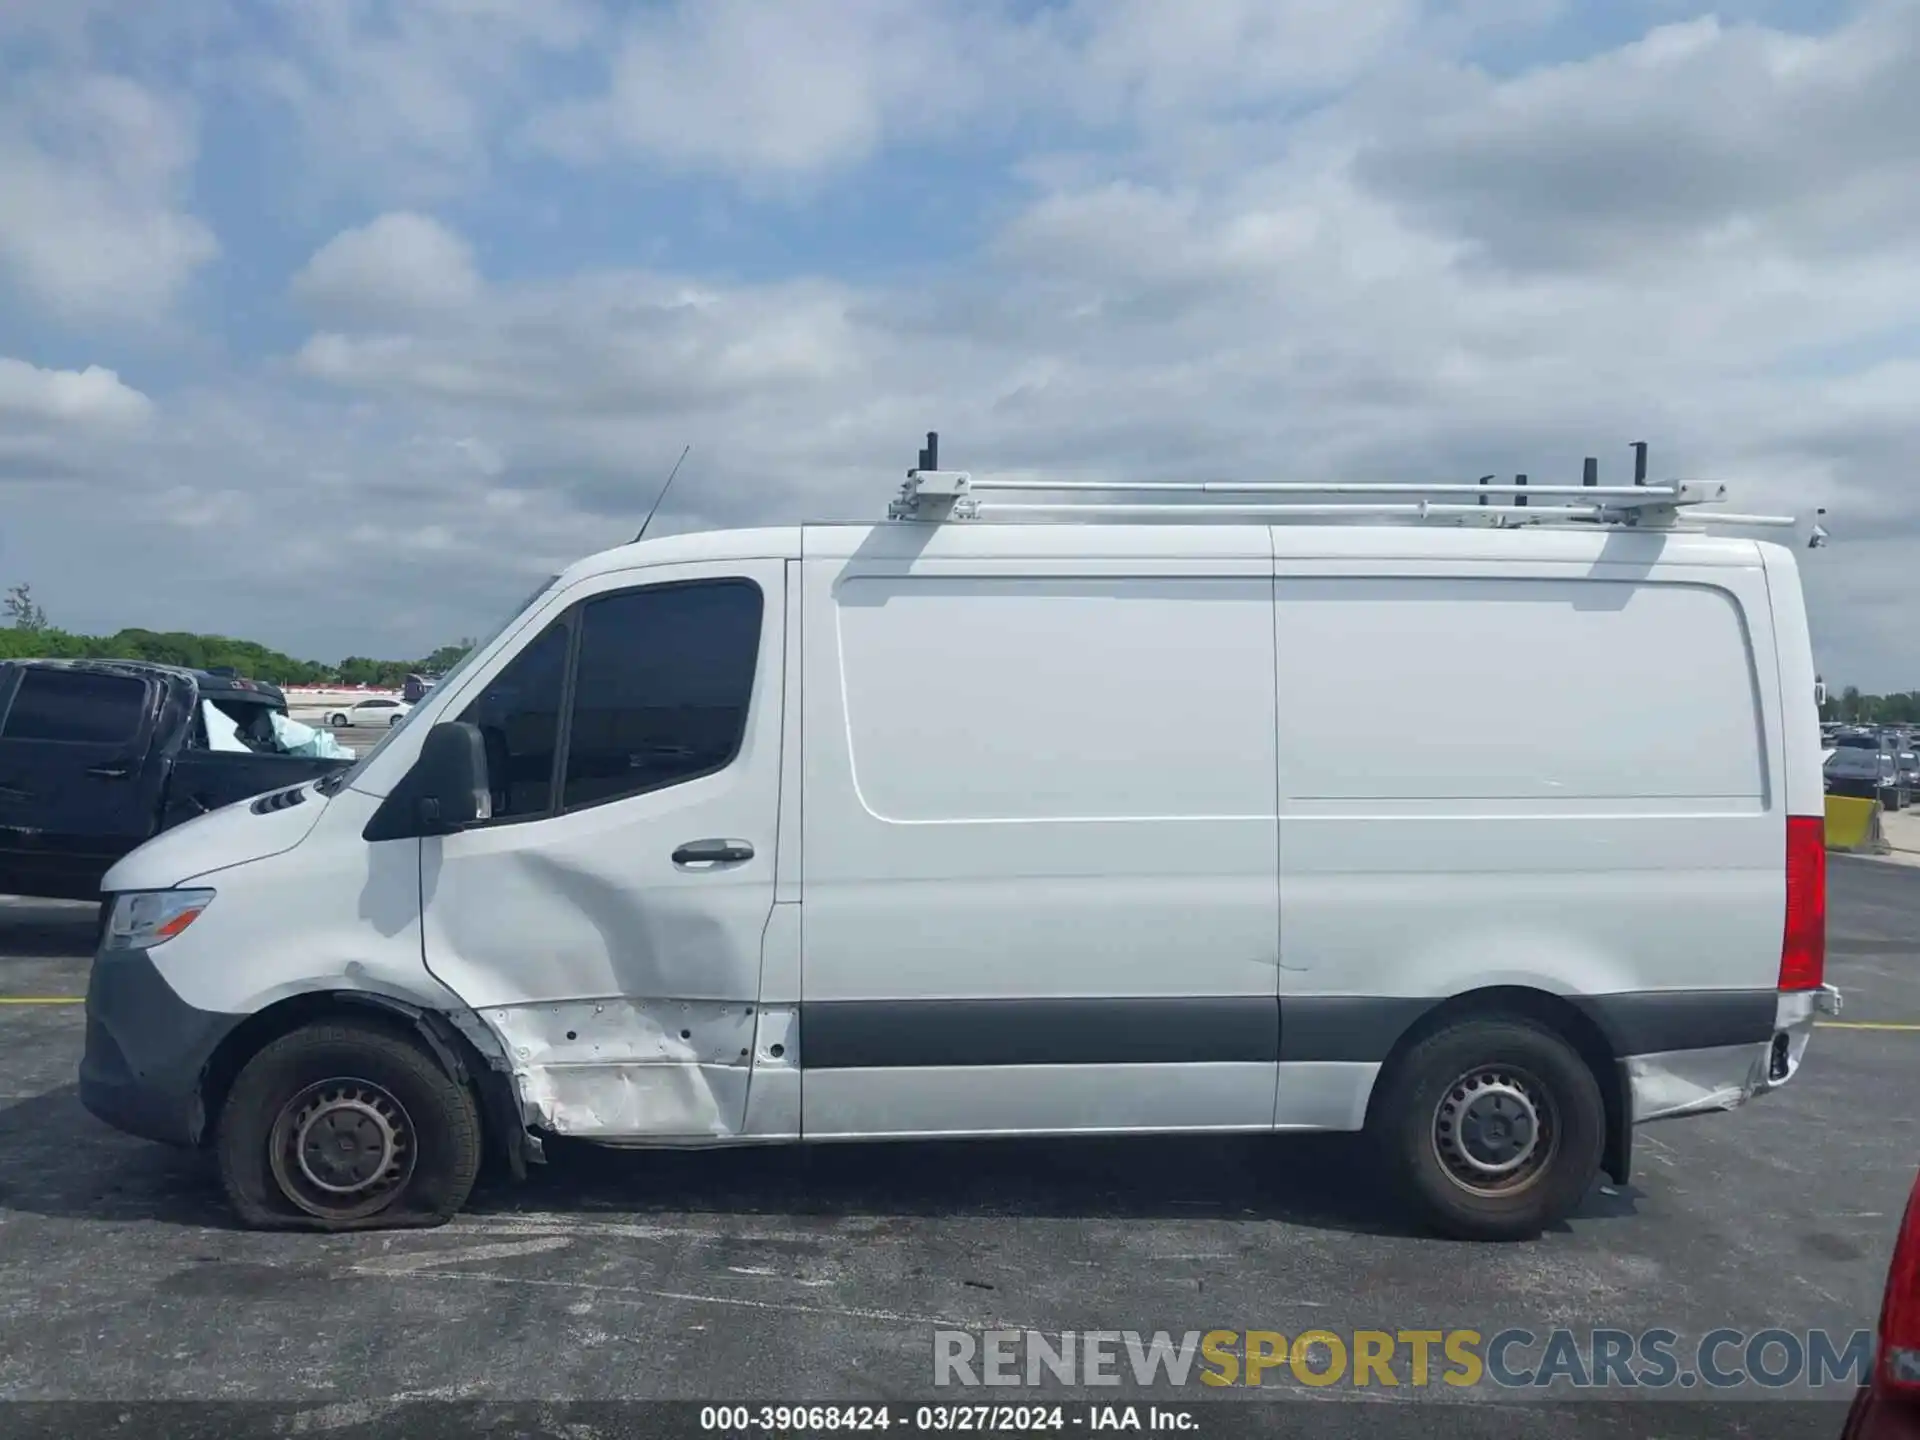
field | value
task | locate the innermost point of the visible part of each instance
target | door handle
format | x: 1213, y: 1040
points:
x: 713, y: 852
x: 110, y: 772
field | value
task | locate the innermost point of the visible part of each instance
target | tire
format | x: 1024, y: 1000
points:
x: 393, y: 722
x: 370, y: 1085
x: 338, y: 722
x: 1437, y: 1126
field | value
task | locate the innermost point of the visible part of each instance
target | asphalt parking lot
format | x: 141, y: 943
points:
x: 820, y: 1275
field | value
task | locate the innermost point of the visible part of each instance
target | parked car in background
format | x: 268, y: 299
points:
x: 1906, y: 763
x: 1863, y: 775
x: 415, y: 687
x: 98, y: 756
x: 375, y: 710
x: 1887, y: 1407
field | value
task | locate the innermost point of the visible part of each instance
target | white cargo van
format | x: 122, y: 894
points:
x: 945, y: 827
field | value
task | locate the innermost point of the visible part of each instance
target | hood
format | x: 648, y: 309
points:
x: 232, y: 835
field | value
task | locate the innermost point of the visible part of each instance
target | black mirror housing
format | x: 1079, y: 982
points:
x: 446, y: 790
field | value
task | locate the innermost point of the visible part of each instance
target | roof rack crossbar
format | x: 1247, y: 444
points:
x: 1639, y: 494
x: 1533, y: 512
x: 933, y: 494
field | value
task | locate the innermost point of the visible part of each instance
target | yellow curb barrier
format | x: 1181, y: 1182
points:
x: 1854, y: 825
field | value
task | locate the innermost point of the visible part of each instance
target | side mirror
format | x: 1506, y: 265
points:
x: 446, y: 790
x: 451, y: 778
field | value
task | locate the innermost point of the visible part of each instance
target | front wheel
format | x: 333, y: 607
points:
x: 338, y: 722
x: 1493, y: 1128
x: 347, y: 1126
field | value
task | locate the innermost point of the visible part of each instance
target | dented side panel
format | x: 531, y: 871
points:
x: 622, y: 1067
x: 624, y: 985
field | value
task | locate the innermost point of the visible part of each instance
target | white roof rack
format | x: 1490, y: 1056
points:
x: 932, y: 494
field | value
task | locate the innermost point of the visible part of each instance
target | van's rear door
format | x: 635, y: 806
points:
x: 76, y: 789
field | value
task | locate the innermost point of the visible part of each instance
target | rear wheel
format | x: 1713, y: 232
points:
x: 1493, y: 1128
x: 347, y: 1126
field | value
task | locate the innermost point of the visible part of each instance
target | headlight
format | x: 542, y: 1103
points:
x: 142, y: 919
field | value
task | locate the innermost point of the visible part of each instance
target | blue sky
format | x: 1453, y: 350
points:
x: 332, y: 322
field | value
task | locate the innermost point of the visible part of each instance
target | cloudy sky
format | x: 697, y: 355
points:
x: 337, y: 323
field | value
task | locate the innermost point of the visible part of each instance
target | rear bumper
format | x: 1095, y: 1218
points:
x: 146, y: 1051
x: 1676, y: 1083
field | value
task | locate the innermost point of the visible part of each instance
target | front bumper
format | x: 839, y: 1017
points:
x: 1676, y: 1083
x: 146, y: 1051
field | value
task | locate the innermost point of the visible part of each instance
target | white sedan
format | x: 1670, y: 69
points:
x: 370, y: 712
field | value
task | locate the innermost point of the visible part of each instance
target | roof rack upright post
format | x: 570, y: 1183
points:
x: 1485, y: 480
x: 1590, y: 471
x: 931, y: 493
x: 1639, y: 462
x: 1520, y: 497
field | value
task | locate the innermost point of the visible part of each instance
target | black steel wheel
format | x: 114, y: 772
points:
x: 342, y: 1148
x: 347, y: 1125
x: 1492, y: 1127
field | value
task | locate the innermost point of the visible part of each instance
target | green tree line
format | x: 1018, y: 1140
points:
x: 26, y: 633
x: 1851, y: 707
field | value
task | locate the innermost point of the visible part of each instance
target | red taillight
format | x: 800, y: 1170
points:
x: 1899, y: 1363
x: 1803, y: 947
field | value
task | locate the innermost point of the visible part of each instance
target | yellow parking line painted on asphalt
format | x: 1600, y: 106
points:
x: 1869, y: 1025
x: 43, y: 999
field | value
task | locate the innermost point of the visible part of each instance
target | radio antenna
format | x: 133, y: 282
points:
x: 662, y: 495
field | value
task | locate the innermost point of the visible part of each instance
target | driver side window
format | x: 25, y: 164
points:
x: 662, y: 679
x: 518, y: 715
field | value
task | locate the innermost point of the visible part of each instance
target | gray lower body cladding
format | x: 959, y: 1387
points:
x: 908, y: 1034
x: 147, y: 1050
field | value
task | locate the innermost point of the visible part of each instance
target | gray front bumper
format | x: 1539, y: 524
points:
x: 146, y: 1051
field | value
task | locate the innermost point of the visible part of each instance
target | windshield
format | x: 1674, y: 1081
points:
x: 337, y: 782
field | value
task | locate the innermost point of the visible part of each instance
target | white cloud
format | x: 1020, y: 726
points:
x: 1206, y: 57
x: 403, y: 98
x: 782, y: 89
x: 94, y: 225
x: 92, y: 396
x: 400, y: 261
x: 790, y: 89
x: 1701, y: 135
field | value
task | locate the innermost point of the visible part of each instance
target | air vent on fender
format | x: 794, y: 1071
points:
x: 279, y: 800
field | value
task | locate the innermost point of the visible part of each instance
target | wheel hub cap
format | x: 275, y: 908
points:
x: 342, y: 1149
x: 345, y: 1145
x: 1497, y: 1129
x: 1494, y: 1130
